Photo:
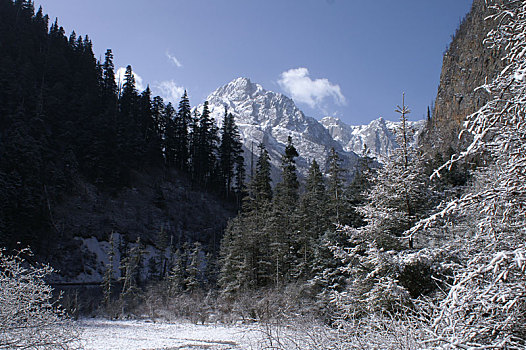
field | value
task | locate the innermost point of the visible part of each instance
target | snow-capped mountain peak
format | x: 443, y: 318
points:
x: 379, y: 136
x: 269, y: 117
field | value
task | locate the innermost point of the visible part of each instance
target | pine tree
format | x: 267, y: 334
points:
x: 158, y: 116
x: 176, y: 276
x: 287, y: 189
x: 256, y: 260
x: 109, y: 86
x: 131, y: 266
x: 336, y: 208
x: 194, y: 274
x: 284, y: 218
x: 400, y: 193
x: 159, y: 126
x: 128, y: 97
x: 245, y: 247
x: 150, y: 140
x: 109, y: 275
x: 230, y: 256
x: 204, y: 159
x: 326, y: 275
x: 182, y: 123
x: 129, y: 140
x: 170, y: 136
x: 194, y: 144
x: 260, y: 186
x: 239, y: 177
x: 73, y: 39
x: 313, y: 219
x: 229, y: 154
x: 162, y: 244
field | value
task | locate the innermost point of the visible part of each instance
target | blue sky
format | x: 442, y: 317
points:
x: 346, y: 58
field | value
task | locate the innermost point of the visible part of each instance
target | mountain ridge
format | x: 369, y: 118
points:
x: 268, y: 117
x: 378, y: 137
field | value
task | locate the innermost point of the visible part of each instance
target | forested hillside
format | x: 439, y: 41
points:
x: 81, y: 156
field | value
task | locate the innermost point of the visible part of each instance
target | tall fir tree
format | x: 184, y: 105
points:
x: 130, y: 145
x: 260, y: 188
x: 109, y: 86
x: 335, y: 188
x: 206, y: 148
x: 194, y: 144
x: 158, y: 120
x: 400, y: 194
x: 313, y: 221
x: 194, y: 269
x: 245, y: 247
x: 182, y: 139
x: 230, y: 152
x: 109, y: 275
x: 284, y: 218
x: 170, y: 135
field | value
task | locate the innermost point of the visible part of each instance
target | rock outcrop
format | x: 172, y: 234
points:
x: 467, y: 63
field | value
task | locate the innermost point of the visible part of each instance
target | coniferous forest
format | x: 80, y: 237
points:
x: 422, y: 250
x: 65, y: 118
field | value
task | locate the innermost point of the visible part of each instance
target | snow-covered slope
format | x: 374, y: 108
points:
x: 268, y: 117
x: 379, y: 135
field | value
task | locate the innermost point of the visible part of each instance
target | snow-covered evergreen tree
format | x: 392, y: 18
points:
x: 313, y: 221
x: 484, y: 308
x: 245, y: 246
x: 176, y: 276
x: 400, y: 194
x: 284, y: 217
x: 194, y: 269
x: 131, y: 266
x: 371, y: 255
x: 109, y: 275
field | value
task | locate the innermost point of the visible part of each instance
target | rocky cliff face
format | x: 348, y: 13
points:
x: 270, y: 118
x: 466, y: 64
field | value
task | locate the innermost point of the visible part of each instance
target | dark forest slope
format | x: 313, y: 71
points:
x: 78, y: 157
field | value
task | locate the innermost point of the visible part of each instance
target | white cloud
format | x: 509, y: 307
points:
x: 119, y: 79
x: 169, y: 91
x: 173, y: 59
x: 314, y: 93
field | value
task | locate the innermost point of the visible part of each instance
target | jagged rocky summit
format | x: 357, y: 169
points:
x: 379, y: 136
x: 270, y: 118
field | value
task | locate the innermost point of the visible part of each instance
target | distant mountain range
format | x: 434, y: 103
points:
x: 378, y: 137
x: 270, y: 118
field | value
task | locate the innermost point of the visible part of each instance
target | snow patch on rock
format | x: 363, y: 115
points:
x: 379, y: 136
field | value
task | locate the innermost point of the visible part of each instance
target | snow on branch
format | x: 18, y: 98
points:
x: 29, y: 319
x: 484, y: 308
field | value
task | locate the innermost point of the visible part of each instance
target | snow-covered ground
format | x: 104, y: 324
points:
x: 100, y: 334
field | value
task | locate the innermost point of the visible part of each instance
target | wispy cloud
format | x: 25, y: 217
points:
x: 314, y: 93
x: 173, y: 59
x: 119, y: 79
x: 169, y: 91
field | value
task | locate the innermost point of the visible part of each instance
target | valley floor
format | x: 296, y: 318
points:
x: 98, y: 334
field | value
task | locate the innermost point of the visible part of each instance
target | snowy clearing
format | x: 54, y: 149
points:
x: 100, y: 334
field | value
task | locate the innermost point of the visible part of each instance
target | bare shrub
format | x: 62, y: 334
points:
x: 375, y: 332
x: 29, y: 318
